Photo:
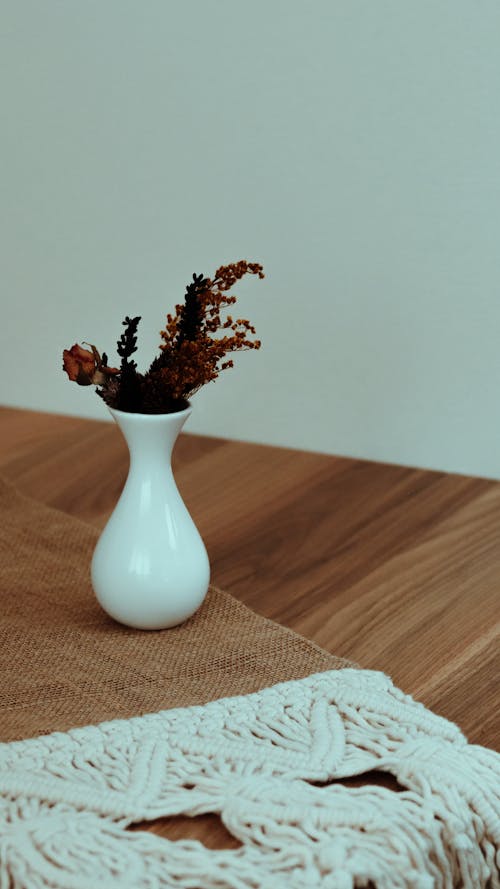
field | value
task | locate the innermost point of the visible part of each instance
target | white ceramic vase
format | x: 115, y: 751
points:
x: 150, y: 568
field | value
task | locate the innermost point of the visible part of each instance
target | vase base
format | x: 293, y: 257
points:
x: 151, y: 622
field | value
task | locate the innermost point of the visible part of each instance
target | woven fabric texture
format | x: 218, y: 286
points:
x: 64, y: 663
x: 270, y: 764
x: 231, y: 714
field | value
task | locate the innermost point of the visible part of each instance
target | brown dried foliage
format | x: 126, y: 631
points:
x: 190, y: 353
x: 187, y: 364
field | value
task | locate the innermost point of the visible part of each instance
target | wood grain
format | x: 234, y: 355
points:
x: 395, y: 568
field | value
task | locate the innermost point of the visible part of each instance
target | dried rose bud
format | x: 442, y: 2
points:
x: 80, y: 365
x: 85, y: 368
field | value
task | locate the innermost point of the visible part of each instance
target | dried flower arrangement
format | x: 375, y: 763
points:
x: 190, y: 356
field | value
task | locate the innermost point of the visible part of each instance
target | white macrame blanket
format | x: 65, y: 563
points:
x: 68, y: 798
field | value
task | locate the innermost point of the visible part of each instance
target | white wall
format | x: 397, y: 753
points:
x: 351, y: 147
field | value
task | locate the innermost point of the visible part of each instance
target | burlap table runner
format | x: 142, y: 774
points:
x: 280, y: 728
x: 65, y: 663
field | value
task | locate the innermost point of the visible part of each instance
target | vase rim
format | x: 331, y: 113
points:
x: 152, y: 417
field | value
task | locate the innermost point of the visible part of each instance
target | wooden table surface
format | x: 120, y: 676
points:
x: 395, y: 568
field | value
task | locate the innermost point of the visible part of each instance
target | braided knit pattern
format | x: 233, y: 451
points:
x: 67, y: 799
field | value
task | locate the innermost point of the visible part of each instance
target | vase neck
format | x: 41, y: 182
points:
x: 150, y: 437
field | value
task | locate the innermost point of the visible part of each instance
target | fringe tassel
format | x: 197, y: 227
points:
x: 67, y: 799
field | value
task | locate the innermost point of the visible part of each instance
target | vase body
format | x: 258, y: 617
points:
x: 150, y: 568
